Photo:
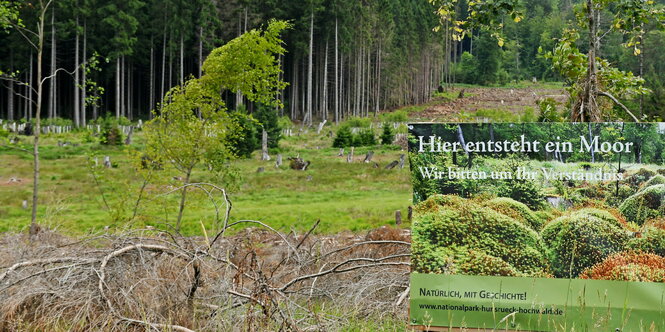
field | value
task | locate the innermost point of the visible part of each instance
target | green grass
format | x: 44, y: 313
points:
x: 343, y: 196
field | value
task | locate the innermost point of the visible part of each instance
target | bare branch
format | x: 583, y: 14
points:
x: 616, y: 101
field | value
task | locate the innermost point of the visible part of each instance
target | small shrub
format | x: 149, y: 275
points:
x: 629, y: 266
x: 641, y: 176
x: 524, y: 191
x: 644, y: 205
x: 656, y: 179
x: 387, y: 135
x: 365, y: 138
x: 445, y: 221
x: 651, y: 240
x: 358, y: 122
x: 343, y: 138
x: 548, y: 111
x: 580, y: 240
x: 516, y: 210
x: 110, y: 134
x: 396, y: 116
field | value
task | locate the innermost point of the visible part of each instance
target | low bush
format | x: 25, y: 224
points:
x: 646, y: 204
x: 580, y: 240
x: 516, y: 210
x: 651, y: 239
x: 452, y: 222
x: 629, y: 266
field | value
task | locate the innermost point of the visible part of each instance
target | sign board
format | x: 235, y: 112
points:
x: 538, y: 226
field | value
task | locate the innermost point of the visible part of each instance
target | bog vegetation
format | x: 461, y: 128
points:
x: 558, y: 228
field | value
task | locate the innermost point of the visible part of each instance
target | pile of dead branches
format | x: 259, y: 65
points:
x: 257, y: 279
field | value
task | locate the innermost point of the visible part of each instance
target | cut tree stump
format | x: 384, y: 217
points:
x: 298, y: 164
x: 398, y: 217
x: 341, y: 152
x: 264, y: 146
x: 402, y: 158
x: 318, y: 130
x: 349, y: 158
x: 278, y: 162
x: 392, y: 165
x: 368, y: 156
x: 107, y: 161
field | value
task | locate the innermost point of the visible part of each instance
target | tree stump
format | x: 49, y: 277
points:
x: 318, y: 130
x: 368, y: 156
x: 398, y: 217
x: 107, y: 162
x: 341, y: 152
x: 402, y: 158
x: 461, y: 94
x: 128, y: 140
x: 349, y: 158
x: 264, y: 146
x: 278, y: 162
x: 298, y: 164
x: 392, y: 165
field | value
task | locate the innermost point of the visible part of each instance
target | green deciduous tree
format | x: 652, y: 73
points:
x: 193, y: 126
x: 590, y: 75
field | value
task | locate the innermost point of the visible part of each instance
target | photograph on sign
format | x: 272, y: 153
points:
x: 538, y: 226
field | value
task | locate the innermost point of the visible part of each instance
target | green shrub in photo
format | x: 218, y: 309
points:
x: 641, y: 176
x: 651, y: 239
x: 447, y: 221
x: 656, y: 179
x: 598, y: 213
x: 580, y: 240
x: 516, y: 210
x: 644, y: 205
x: 524, y: 191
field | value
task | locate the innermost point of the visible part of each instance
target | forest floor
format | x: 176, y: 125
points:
x: 469, y: 102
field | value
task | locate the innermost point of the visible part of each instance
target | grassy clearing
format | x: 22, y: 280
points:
x: 343, y: 196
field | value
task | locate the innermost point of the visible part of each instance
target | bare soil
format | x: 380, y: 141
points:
x: 513, y: 100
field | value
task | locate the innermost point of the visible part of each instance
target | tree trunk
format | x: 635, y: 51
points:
x: 181, y: 209
x: 310, y: 70
x: 10, y: 91
x: 200, y: 51
x: 182, y: 59
x: 264, y: 146
x: 161, y: 94
x: 325, y: 84
x: 52, y: 88
x: 337, y: 81
x: 77, y: 91
x: 35, y: 180
x: 586, y: 108
x: 29, y: 92
x: 117, y: 88
x: 84, y: 74
x: 151, y: 104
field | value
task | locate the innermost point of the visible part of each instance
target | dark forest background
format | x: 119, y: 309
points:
x: 345, y: 57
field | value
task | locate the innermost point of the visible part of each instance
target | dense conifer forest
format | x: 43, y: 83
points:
x: 344, y: 58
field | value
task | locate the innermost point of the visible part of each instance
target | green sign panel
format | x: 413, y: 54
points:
x: 538, y: 226
x: 536, y: 304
